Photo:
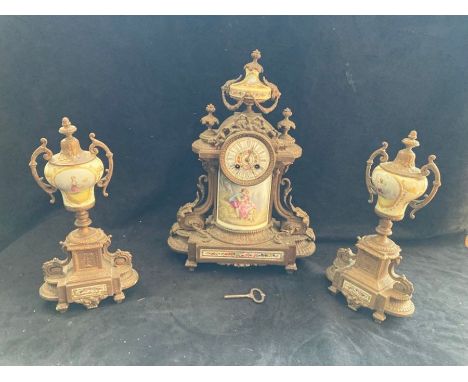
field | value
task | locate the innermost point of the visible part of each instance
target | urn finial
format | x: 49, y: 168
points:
x: 67, y: 128
x: 252, y: 90
x: 286, y: 124
x: 209, y: 120
x: 254, y: 65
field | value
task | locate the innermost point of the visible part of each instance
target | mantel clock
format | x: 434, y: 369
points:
x: 243, y: 213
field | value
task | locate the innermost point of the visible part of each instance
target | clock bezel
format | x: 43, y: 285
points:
x: 235, y: 137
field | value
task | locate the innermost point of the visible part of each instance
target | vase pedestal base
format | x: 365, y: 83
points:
x: 90, y: 273
x: 368, y: 278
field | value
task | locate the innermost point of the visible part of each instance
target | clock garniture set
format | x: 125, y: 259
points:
x: 230, y: 221
x: 243, y: 213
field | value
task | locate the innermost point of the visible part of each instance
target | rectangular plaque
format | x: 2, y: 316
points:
x: 238, y: 254
x: 349, y: 289
x: 92, y: 290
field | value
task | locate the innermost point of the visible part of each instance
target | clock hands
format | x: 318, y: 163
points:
x: 256, y: 167
x: 248, y: 162
x: 251, y: 169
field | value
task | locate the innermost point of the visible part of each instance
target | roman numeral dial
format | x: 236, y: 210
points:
x: 247, y: 158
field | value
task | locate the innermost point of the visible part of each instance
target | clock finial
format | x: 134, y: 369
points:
x: 209, y: 120
x: 251, y: 90
x: 254, y: 65
x: 286, y: 124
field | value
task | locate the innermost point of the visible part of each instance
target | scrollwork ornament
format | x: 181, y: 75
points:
x: 186, y: 216
x: 416, y: 205
x: 47, y: 155
x: 93, y: 148
x: 225, y: 91
x: 383, y: 158
x: 402, y: 285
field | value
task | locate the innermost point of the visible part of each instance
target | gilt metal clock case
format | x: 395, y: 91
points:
x: 243, y: 213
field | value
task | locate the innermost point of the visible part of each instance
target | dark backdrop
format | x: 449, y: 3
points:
x: 141, y: 84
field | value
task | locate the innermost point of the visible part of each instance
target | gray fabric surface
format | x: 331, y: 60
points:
x: 173, y: 317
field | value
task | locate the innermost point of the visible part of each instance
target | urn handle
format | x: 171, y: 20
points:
x: 225, y: 91
x: 417, y: 204
x: 275, y: 96
x: 104, y: 181
x: 383, y: 158
x: 42, y: 149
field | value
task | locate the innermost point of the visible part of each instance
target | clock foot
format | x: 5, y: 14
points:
x: 291, y: 268
x: 379, y: 317
x: 61, y: 307
x: 191, y: 265
x: 119, y: 297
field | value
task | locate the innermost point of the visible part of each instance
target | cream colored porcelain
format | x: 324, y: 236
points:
x: 400, y: 183
x: 76, y: 182
x: 395, y: 192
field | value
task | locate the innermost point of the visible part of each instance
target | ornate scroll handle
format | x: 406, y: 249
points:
x: 33, y: 165
x: 93, y: 148
x: 275, y: 96
x: 383, y: 158
x: 426, y: 170
x: 402, y: 285
x: 225, y: 90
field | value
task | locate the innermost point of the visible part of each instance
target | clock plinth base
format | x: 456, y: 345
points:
x: 368, y: 279
x: 266, y: 247
x: 90, y: 273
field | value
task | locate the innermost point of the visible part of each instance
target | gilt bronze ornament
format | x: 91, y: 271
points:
x: 90, y: 273
x: 368, y: 278
x: 230, y: 221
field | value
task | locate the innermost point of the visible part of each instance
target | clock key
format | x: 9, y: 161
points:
x: 250, y: 295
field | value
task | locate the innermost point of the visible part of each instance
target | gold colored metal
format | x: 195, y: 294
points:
x: 250, y: 295
x: 230, y: 221
x: 251, y: 90
x: 368, y: 278
x: 90, y: 273
x: 285, y: 125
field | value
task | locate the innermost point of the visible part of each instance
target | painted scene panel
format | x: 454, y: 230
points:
x: 243, y: 207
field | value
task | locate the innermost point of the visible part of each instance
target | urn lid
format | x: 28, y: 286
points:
x: 71, y: 152
x: 404, y: 163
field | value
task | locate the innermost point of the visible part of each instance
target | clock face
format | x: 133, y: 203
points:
x: 247, y: 158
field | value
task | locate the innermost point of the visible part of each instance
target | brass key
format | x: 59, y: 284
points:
x: 250, y: 295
